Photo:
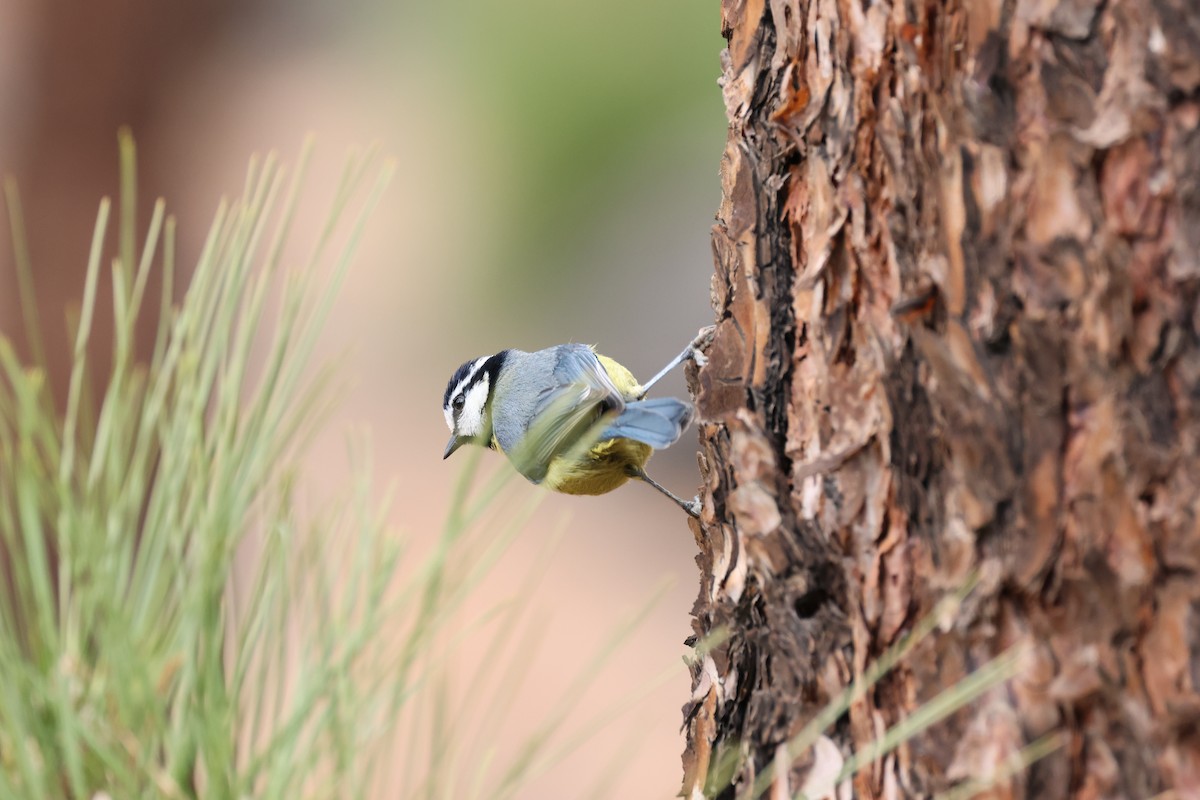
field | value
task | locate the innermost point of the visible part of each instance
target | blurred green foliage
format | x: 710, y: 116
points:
x: 574, y: 109
x: 580, y: 87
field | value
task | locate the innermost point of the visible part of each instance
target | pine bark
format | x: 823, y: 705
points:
x: 957, y: 272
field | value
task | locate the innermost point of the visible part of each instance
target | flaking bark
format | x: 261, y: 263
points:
x: 957, y: 272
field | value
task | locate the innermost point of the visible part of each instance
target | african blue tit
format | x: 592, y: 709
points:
x: 567, y: 418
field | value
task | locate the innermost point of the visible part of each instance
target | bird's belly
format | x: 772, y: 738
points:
x: 604, y: 468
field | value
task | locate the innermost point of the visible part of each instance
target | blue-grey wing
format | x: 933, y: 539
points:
x: 577, y: 363
x: 570, y: 413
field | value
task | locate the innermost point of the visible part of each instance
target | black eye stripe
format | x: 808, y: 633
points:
x: 457, y: 382
x: 463, y: 378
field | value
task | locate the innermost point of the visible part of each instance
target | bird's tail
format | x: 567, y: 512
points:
x: 658, y: 422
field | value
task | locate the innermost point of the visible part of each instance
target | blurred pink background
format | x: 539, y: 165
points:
x: 556, y: 180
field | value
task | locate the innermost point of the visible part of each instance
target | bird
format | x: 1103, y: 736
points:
x: 568, y: 419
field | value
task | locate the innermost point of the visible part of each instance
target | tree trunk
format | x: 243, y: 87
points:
x: 957, y: 272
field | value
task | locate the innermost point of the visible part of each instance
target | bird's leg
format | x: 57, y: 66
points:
x: 675, y: 362
x: 692, y: 351
x: 692, y: 508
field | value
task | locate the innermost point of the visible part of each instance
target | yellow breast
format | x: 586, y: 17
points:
x: 604, y: 468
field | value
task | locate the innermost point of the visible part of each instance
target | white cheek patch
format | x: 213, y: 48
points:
x: 470, y: 421
x: 449, y: 414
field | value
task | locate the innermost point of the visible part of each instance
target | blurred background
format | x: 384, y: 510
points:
x: 556, y: 181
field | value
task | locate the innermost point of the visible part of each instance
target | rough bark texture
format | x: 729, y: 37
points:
x: 957, y: 272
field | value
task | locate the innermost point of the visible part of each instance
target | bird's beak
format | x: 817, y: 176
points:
x: 454, y: 443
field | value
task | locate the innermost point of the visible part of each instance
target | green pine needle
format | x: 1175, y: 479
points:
x: 170, y: 626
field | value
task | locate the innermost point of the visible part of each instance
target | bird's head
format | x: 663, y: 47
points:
x: 467, y: 403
